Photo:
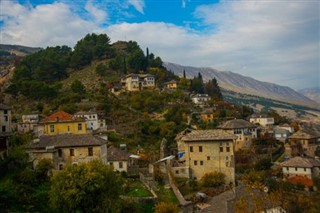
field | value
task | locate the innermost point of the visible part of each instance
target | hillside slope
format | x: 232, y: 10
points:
x: 312, y: 93
x: 243, y: 84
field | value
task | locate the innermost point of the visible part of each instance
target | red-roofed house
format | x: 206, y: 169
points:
x: 62, y: 122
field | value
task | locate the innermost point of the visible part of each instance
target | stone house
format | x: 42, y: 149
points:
x: 243, y: 130
x: 303, y: 142
x: 28, y: 124
x: 62, y: 122
x: 137, y: 82
x: 66, y: 149
x: 120, y: 159
x: 262, y: 120
x: 281, y: 134
x: 207, y: 115
x: 204, y: 151
x: 173, y: 84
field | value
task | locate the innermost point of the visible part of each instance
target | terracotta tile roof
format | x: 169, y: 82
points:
x: 59, y: 117
x: 237, y: 124
x: 116, y: 154
x: 301, y: 162
x: 300, y: 180
x: 66, y: 140
x: 207, y: 135
x: 305, y: 134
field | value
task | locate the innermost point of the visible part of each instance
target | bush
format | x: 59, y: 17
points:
x: 166, y: 208
x: 213, y: 179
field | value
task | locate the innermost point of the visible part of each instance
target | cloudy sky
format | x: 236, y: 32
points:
x: 276, y: 41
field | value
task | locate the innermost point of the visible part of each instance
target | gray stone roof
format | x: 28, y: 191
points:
x: 304, y: 134
x: 4, y: 107
x: 237, y: 124
x: 85, y: 113
x: 301, y: 162
x: 116, y: 154
x: 66, y: 140
x: 207, y: 135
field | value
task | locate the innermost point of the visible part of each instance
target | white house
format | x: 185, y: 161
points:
x: 200, y: 99
x: 92, y: 119
x: 120, y: 159
x: 137, y: 82
x: 262, y: 120
x: 29, y: 122
x: 299, y: 166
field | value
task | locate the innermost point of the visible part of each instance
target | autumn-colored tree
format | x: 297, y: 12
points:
x: 213, y: 179
x: 163, y: 207
x: 90, y: 187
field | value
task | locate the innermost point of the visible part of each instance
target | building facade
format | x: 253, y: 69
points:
x: 204, y: 151
x: 262, y: 120
x: 137, y: 82
x: 66, y: 149
x: 5, y: 128
x: 243, y: 130
x: 92, y: 119
x: 303, y: 142
x: 61, y: 123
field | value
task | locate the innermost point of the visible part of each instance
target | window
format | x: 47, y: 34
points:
x: 60, y: 166
x: 60, y: 153
x: 195, y: 163
x: 200, y: 148
x: 191, y: 148
x: 208, y: 157
x: 227, y: 164
x: 71, y: 152
x: 90, y: 151
x: 221, y: 149
x: 120, y: 165
x: 228, y: 149
x: 296, y: 169
x: 201, y: 163
x: 227, y: 158
x: 51, y: 128
x: 6, y: 118
x: 68, y: 128
x: 111, y: 163
x: 5, y: 111
x: 177, y: 171
x: 79, y: 127
x: 3, y: 128
x: 305, y: 169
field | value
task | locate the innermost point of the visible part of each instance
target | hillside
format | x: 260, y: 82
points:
x: 243, y: 84
x: 312, y: 93
x: 18, y: 49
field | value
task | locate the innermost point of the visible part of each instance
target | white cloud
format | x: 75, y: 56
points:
x: 183, y: 3
x: 275, y: 41
x: 43, y: 25
x: 99, y: 15
x: 138, y: 5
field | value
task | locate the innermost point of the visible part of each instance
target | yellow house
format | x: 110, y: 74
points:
x: 207, y: 115
x: 171, y: 84
x: 66, y: 149
x: 204, y: 151
x: 62, y: 122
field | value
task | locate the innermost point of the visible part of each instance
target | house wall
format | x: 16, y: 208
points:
x: 210, y: 159
x: 263, y: 121
x: 297, y: 171
x: 65, y: 127
x: 91, y: 121
x: 244, y: 137
x: 26, y: 127
x: 5, y: 120
x: 81, y: 155
x: 117, y: 166
x: 207, y: 118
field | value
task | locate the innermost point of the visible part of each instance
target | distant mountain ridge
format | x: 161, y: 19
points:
x: 243, y: 84
x: 312, y: 93
x: 19, y: 49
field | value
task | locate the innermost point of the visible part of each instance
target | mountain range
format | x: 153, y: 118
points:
x: 243, y: 84
x: 312, y: 93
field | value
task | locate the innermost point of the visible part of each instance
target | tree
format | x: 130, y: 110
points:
x: 101, y: 69
x: 213, y: 179
x: 90, y: 187
x: 184, y: 73
x: 213, y: 90
x: 163, y: 207
x: 78, y: 87
x: 263, y: 164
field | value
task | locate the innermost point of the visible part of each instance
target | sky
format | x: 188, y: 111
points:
x: 276, y: 41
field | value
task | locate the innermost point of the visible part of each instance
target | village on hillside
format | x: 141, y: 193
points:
x: 117, y: 132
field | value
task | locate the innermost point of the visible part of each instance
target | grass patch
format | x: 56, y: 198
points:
x: 137, y: 189
x: 166, y: 195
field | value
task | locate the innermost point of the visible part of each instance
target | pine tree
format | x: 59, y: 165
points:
x: 184, y: 73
